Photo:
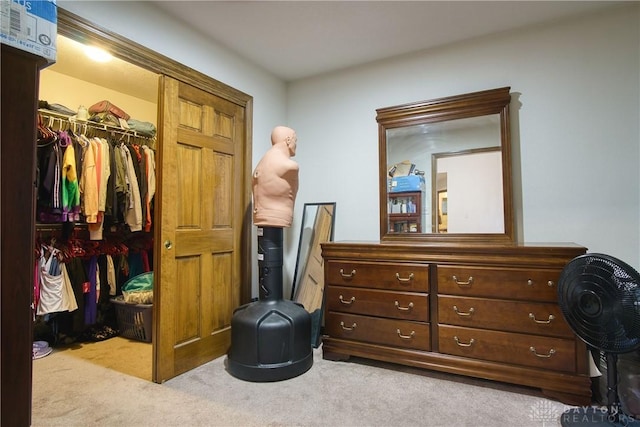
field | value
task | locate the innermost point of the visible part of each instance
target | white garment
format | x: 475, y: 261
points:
x: 52, y: 290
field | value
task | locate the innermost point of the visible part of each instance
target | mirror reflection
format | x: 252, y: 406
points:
x: 468, y: 189
x: 463, y: 155
x: 308, y: 278
x: 445, y: 171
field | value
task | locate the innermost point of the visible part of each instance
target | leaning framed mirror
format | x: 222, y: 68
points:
x: 445, y: 169
x: 308, y: 277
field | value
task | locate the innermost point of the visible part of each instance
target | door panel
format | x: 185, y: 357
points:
x: 201, y: 212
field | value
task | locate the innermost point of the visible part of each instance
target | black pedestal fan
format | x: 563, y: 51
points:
x: 599, y: 296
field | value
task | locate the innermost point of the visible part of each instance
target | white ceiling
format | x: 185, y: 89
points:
x: 297, y: 39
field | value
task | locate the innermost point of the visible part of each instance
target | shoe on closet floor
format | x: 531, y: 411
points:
x: 41, y: 349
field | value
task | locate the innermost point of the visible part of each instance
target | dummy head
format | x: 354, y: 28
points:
x: 283, y: 134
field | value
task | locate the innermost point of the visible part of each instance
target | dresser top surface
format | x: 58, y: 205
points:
x: 525, y: 254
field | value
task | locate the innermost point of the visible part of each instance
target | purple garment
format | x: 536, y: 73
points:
x: 90, y: 298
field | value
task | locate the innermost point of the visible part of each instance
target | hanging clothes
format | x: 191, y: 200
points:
x: 48, y: 181
x: 68, y: 289
x: 89, y: 181
x: 133, y: 212
x: 103, y: 171
x: 90, y: 290
x: 151, y: 185
x: 55, y: 293
x: 70, y: 185
x: 113, y: 206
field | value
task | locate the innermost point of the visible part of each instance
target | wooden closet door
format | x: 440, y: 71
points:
x: 201, y: 209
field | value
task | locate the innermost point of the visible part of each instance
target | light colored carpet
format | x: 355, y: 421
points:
x: 120, y: 354
x: 71, y: 391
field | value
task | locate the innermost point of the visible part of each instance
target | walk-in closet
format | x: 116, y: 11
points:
x: 96, y: 182
x: 185, y: 138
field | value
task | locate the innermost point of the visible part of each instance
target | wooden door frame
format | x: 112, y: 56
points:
x: 83, y: 31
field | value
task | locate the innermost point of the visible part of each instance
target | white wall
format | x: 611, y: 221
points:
x: 575, y: 114
x: 474, y: 192
x: 54, y: 88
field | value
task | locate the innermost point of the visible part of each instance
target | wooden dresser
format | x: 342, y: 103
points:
x: 486, y: 311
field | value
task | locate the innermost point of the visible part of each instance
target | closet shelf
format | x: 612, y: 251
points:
x: 79, y: 125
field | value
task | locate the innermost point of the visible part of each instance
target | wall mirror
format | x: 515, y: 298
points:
x: 445, y: 169
x: 318, y: 221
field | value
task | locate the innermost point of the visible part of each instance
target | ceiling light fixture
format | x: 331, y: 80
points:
x: 97, y: 54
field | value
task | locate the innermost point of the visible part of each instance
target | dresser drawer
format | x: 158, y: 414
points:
x: 396, y: 333
x: 380, y: 275
x: 396, y: 305
x: 514, y: 316
x: 528, y: 285
x: 528, y: 350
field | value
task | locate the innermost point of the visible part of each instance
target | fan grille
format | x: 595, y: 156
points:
x: 599, y: 296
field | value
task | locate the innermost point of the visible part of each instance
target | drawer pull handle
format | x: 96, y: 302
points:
x: 347, y: 302
x: 462, y: 313
x: 463, y: 283
x: 348, y: 276
x: 347, y: 328
x: 533, y: 317
x: 406, y: 337
x: 549, y: 283
x: 403, y: 279
x: 407, y: 308
x: 464, y: 344
x: 546, y: 356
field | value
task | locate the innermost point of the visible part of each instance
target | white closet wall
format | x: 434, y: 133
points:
x: 72, y: 92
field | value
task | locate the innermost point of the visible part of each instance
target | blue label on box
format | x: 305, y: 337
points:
x: 45, y: 9
x: 406, y: 183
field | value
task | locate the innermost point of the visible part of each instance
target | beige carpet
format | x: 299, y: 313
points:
x: 72, y: 391
x: 120, y: 354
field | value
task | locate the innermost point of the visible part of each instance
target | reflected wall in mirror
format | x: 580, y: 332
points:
x: 470, y: 183
x: 453, y: 155
x: 318, y: 221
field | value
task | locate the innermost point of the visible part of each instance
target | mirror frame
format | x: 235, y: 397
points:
x: 475, y: 104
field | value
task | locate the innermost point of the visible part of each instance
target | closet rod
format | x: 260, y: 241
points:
x: 59, y: 226
x: 63, y: 118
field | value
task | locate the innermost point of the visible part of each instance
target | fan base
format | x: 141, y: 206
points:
x: 596, y: 417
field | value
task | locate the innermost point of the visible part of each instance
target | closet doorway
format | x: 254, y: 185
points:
x: 201, y: 249
x: 76, y: 81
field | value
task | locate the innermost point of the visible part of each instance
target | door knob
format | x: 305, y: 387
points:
x: 168, y: 244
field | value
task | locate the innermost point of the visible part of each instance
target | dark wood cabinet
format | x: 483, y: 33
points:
x: 487, y: 311
x: 20, y: 79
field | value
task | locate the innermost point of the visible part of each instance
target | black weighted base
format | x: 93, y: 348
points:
x: 270, y: 338
x: 270, y: 341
